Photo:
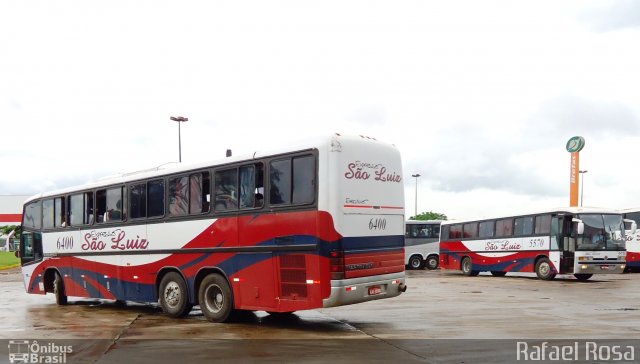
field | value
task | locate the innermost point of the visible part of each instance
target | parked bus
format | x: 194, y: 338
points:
x: 421, y: 243
x: 633, y: 239
x: 318, y: 225
x: 578, y: 241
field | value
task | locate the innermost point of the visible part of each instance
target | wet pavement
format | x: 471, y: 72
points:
x: 411, y: 328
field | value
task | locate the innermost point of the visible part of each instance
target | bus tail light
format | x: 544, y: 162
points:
x: 336, y: 264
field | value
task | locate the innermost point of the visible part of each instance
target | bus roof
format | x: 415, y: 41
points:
x: 176, y: 168
x: 569, y: 210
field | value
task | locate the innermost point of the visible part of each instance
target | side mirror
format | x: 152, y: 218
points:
x: 579, y: 225
x: 633, y: 226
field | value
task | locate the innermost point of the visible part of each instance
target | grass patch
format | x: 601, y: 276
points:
x: 8, y: 259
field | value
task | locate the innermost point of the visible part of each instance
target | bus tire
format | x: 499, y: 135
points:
x: 174, y: 298
x: 497, y: 273
x: 467, y: 267
x: 582, y: 276
x: 544, y: 270
x: 416, y: 262
x: 215, y: 298
x: 59, y: 291
x: 432, y: 262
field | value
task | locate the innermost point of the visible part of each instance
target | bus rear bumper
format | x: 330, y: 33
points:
x: 356, y: 290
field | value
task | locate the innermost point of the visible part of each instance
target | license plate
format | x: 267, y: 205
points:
x: 375, y: 290
x: 604, y: 267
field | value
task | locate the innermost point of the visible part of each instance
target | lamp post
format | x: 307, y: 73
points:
x: 416, y: 205
x: 582, y: 185
x: 179, y: 119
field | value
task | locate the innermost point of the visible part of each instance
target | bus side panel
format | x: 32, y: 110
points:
x: 452, y: 253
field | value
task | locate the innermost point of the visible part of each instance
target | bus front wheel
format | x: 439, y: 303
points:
x: 173, y: 295
x: 582, y: 277
x: 58, y: 290
x: 215, y: 298
x: 415, y: 262
x: 544, y: 269
x: 467, y: 267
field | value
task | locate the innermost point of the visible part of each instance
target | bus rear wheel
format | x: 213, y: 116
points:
x: 59, y: 291
x: 415, y: 262
x: 173, y: 295
x: 467, y: 267
x: 215, y: 298
x: 432, y: 262
x: 544, y: 270
x: 582, y: 277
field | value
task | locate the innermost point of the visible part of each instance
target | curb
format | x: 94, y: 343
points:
x: 10, y: 266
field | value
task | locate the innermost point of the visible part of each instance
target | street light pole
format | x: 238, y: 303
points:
x: 416, y: 202
x: 179, y: 119
x: 582, y: 186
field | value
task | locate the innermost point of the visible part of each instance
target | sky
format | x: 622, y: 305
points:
x: 480, y: 97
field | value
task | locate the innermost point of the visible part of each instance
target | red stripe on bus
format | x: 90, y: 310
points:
x: 372, y: 207
x: 10, y: 217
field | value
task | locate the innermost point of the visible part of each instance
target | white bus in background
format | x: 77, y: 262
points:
x: 633, y: 239
x: 421, y: 241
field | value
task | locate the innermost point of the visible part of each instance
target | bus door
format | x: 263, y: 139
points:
x: 567, y: 240
x: 30, y: 254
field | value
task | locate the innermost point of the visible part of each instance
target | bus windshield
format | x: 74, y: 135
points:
x: 601, y: 232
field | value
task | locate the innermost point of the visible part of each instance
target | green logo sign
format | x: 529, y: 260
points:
x: 575, y: 144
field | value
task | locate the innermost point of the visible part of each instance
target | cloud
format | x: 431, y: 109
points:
x: 621, y: 14
x: 569, y: 115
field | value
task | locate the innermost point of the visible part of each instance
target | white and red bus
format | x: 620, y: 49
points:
x: 318, y: 225
x: 633, y: 239
x: 578, y: 241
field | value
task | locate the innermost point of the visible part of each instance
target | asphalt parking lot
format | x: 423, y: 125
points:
x: 443, y: 317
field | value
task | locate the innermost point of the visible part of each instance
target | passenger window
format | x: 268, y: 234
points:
x: 47, y: 214
x: 523, y: 226
x: 199, y: 195
x: 226, y: 185
x: 280, y: 178
x: 60, y: 217
x: 109, y: 205
x: 304, y: 171
x: 504, y: 227
x: 138, y: 201
x: 470, y: 230
x: 76, y: 208
x: 89, y: 212
x: 155, y: 198
x: 292, y: 180
x: 543, y: 224
x: 179, y: 196
x: 486, y: 229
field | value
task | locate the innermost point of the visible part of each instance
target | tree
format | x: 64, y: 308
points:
x: 5, y: 230
x: 430, y: 215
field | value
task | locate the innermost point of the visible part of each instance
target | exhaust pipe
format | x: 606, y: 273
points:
x: 402, y: 287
